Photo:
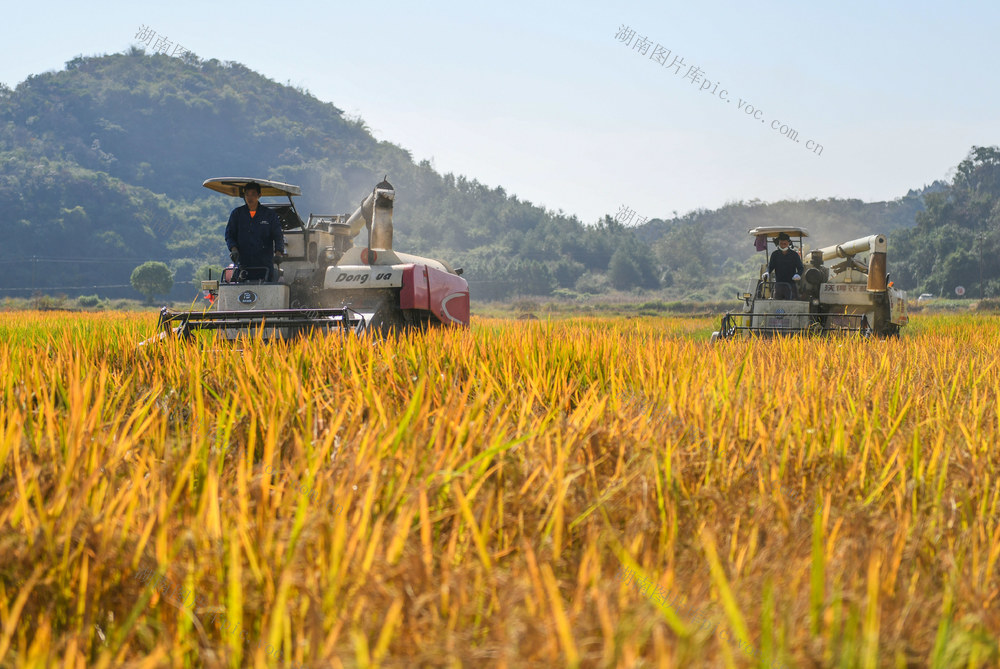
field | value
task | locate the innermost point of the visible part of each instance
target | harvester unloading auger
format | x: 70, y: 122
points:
x: 850, y: 296
x: 325, y: 282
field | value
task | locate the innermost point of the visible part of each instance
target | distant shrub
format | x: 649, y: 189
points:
x: 14, y: 303
x: 88, y: 301
x: 593, y: 283
x: 565, y: 294
x: 48, y: 302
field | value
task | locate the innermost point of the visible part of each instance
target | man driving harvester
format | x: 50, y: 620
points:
x: 786, y: 266
x: 254, y: 237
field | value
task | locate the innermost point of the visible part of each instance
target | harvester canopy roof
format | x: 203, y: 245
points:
x: 775, y: 230
x: 234, y: 186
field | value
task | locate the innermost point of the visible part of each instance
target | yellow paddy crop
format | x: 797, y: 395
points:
x: 474, y: 498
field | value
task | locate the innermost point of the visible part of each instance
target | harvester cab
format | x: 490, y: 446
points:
x: 851, y: 295
x: 325, y: 281
x: 291, y: 225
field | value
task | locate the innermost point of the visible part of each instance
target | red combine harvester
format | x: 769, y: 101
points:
x: 326, y: 282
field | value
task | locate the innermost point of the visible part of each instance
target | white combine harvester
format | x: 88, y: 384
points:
x: 326, y: 282
x: 852, y: 295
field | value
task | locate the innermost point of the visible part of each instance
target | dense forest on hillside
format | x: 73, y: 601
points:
x: 101, y: 166
x: 957, y: 237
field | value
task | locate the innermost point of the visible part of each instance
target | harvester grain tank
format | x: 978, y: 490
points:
x: 325, y: 281
x: 853, y: 294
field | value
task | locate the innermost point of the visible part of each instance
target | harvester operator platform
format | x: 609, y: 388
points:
x: 254, y: 237
x: 786, y: 267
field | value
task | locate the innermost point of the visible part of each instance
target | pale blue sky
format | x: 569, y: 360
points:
x: 541, y: 99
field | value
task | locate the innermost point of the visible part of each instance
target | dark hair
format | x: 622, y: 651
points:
x: 253, y: 185
x: 781, y: 235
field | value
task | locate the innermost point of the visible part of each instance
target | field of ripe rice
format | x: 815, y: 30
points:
x: 589, y: 492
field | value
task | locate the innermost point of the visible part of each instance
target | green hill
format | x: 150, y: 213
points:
x: 103, y: 164
x: 101, y: 167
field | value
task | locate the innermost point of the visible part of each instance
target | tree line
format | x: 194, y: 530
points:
x: 101, y: 167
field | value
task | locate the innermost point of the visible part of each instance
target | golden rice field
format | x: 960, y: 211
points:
x: 588, y: 492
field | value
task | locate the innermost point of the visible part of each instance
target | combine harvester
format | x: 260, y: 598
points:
x: 853, y: 295
x: 325, y: 282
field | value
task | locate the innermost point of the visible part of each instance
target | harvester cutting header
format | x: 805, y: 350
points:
x: 322, y: 280
x: 802, y: 294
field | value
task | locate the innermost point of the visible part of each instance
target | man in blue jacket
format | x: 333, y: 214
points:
x: 254, y: 237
